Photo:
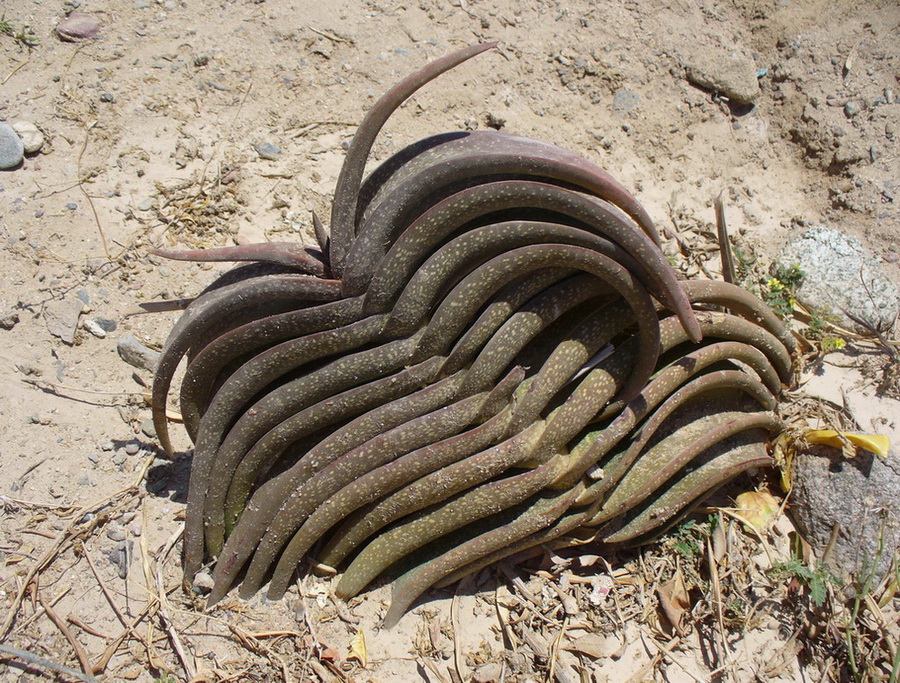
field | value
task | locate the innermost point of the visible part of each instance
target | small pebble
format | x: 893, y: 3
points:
x: 158, y: 486
x: 107, y: 446
x: 851, y: 109
x: 201, y: 60
x: 12, y: 150
x: 136, y: 354
x: 148, y: 428
x: 94, y: 458
x: 85, y: 480
x: 203, y: 582
x: 71, y: 206
x: 146, y: 204
x: 132, y: 448
x: 78, y: 26
x: 107, y: 97
x: 119, y: 458
x: 115, y: 532
x: 141, y: 4
x: 91, y: 326
x: 9, y: 321
x: 267, y: 150
x: 487, y: 673
x: 29, y: 369
x: 32, y: 138
x: 83, y: 296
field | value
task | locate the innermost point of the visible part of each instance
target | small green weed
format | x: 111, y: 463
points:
x: 781, y: 289
x: 815, y: 579
x: 688, y: 539
x: 24, y: 35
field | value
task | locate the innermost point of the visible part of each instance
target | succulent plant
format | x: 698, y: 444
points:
x: 486, y: 351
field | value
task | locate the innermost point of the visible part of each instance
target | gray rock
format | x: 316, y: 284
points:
x: 851, y: 109
x: 841, y: 274
x: 132, y: 448
x: 730, y: 73
x: 32, y: 138
x: 116, y: 532
x: 862, y: 495
x: 267, y: 150
x: 120, y: 556
x: 106, y: 324
x: 625, y: 101
x: 146, y: 204
x: 136, y: 354
x: 78, y: 26
x: 12, y: 150
x: 148, y: 428
x: 62, y: 316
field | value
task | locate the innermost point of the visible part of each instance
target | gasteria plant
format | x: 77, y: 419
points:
x: 478, y: 357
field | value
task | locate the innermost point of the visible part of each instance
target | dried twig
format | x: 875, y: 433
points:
x: 105, y: 590
x: 65, y: 537
x: 110, y: 650
x: 554, y: 648
x: 61, y: 625
x: 459, y: 661
x: 333, y: 37
x: 40, y: 611
x: 728, y: 273
x: 34, y: 660
x: 31, y: 504
x: 503, y: 618
x: 717, y: 597
x: 12, y: 73
x: 164, y: 606
x: 81, y: 179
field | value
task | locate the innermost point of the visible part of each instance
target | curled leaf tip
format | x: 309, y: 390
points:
x: 879, y: 444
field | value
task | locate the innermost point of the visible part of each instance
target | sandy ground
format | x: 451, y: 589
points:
x: 151, y: 132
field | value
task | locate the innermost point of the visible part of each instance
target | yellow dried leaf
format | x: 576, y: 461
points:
x: 874, y: 443
x: 358, y: 649
x: 783, y: 449
x: 758, y: 508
